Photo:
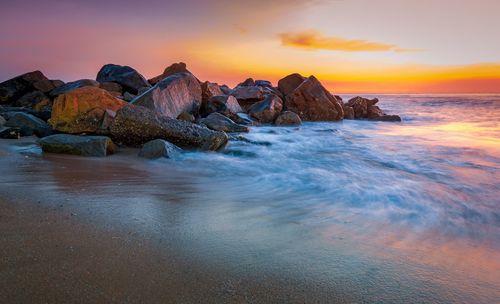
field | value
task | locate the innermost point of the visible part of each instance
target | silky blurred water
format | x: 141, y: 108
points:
x: 387, y: 212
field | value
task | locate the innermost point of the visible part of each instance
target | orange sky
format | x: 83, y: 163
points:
x: 352, y: 46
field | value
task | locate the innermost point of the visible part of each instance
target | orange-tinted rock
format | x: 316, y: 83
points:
x: 170, y: 70
x: 173, y: 95
x: 311, y: 101
x: 83, y: 110
x: 290, y: 83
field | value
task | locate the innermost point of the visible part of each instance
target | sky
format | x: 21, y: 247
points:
x: 352, y: 46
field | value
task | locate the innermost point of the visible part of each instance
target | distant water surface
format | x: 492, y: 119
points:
x: 384, y: 212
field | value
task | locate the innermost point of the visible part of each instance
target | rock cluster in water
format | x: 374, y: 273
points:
x: 164, y: 114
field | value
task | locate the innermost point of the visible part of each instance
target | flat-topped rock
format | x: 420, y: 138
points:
x: 97, y: 146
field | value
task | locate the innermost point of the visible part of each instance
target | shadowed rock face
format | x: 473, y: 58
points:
x: 33, y: 100
x: 29, y: 124
x: 210, y: 89
x: 136, y: 125
x: 73, y: 85
x: 173, y: 95
x: 169, y: 71
x: 77, y: 145
x: 225, y: 104
x: 311, y: 101
x: 15, y: 88
x: 219, y: 122
x: 127, y: 77
x: 290, y: 83
x: 83, y: 110
x: 267, y: 110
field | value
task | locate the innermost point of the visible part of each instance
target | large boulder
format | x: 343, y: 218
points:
x: 219, y: 122
x: 77, y: 145
x: 311, y: 101
x: 127, y: 77
x: 288, y: 118
x: 173, y: 95
x: 15, y: 88
x: 224, y: 104
x: 267, y: 110
x: 360, y: 106
x: 210, y: 89
x: 29, y: 124
x: 136, y: 125
x: 169, y: 71
x: 248, y: 93
x: 290, y: 83
x: 83, y: 110
x: 159, y: 148
x: 69, y: 86
x: 348, y: 112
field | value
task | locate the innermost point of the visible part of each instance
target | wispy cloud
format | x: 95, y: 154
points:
x: 314, y: 40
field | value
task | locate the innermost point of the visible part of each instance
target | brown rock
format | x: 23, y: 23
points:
x: 219, y: 122
x: 267, y: 110
x: 311, y: 101
x: 360, y: 106
x: 374, y: 112
x: 83, y: 110
x: 173, y: 95
x: 170, y: 70
x: 135, y: 125
x: 225, y: 104
x: 288, y: 118
x: 290, y: 83
x: 210, y: 89
x: 348, y: 112
x: 249, y: 82
x: 185, y: 116
x: 112, y: 87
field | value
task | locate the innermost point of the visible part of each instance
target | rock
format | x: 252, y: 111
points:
x: 44, y: 114
x: 219, y: 122
x: 185, y: 116
x: 2, y: 121
x: 386, y: 117
x: 127, y: 77
x: 77, y: 145
x: 311, y: 101
x: 14, y: 88
x: 173, y: 95
x: 83, y: 110
x: 267, y: 110
x: 360, y: 106
x: 225, y: 104
x: 57, y: 83
x: 10, y: 133
x: 225, y: 89
x: 111, y: 87
x: 263, y: 83
x: 348, y: 112
x: 248, y: 93
x: 288, y: 118
x: 169, y: 71
x: 374, y: 112
x: 128, y: 97
x: 135, y: 125
x: 243, y: 119
x: 210, y: 89
x: 29, y: 125
x: 35, y: 99
x: 249, y: 82
x: 159, y: 148
x: 290, y: 83
x: 338, y: 98
x: 74, y: 85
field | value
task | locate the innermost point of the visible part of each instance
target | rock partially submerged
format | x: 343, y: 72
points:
x: 29, y: 125
x: 219, y: 122
x: 159, y: 148
x: 77, y: 145
x: 83, y: 110
x: 173, y: 95
x: 267, y: 110
x: 288, y: 118
x: 311, y: 101
x: 127, y: 77
x: 136, y: 125
x: 364, y: 108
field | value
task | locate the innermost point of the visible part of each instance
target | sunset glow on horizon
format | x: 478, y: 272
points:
x: 352, y: 46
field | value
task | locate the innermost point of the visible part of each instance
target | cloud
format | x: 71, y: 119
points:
x: 314, y: 40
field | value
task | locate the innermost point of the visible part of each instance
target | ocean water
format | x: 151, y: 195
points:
x: 376, y: 212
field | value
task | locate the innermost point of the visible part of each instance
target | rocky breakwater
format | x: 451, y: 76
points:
x: 163, y: 115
